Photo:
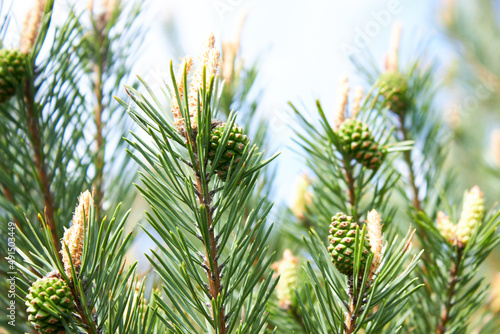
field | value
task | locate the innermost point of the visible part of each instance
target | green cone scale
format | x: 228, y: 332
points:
x: 40, y: 293
x: 343, y: 240
x: 394, y: 87
x: 359, y: 143
x: 236, y: 143
x: 12, y: 72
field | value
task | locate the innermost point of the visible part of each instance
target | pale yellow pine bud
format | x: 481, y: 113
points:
x: 75, y: 235
x: 209, y: 58
x: 374, y: 232
x: 187, y: 63
x: 230, y: 50
x: 342, y: 97
x: 109, y: 7
x: 391, y: 60
x: 302, y: 197
x: 495, y: 145
x: 452, y: 118
x: 445, y: 226
x: 32, y: 26
x: 356, y: 101
x: 447, y: 11
x: 287, y: 268
x: 471, y: 216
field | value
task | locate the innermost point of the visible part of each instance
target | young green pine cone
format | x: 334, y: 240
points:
x: 12, y: 72
x: 394, y: 87
x: 359, y: 143
x: 237, y: 141
x: 43, y: 290
x: 343, y: 239
x: 472, y: 214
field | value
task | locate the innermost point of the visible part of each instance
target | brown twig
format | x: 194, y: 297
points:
x: 352, y: 316
x: 79, y: 308
x: 454, y: 276
x: 40, y: 164
x: 211, y: 252
x: 298, y: 317
x: 409, y: 163
x: 99, y: 65
x: 351, y: 187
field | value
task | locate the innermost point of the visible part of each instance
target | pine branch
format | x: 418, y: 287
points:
x: 409, y: 165
x: 87, y: 323
x: 454, y: 278
x: 212, y: 255
x: 100, y: 59
x: 351, y: 187
x: 298, y: 318
x: 108, y: 50
x: 100, y: 146
x: 40, y: 163
x: 350, y: 321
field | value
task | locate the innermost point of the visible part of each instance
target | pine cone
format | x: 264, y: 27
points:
x: 343, y: 239
x: 394, y: 87
x: 12, y: 72
x: 235, y: 146
x: 40, y: 292
x: 359, y: 143
x: 472, y: 214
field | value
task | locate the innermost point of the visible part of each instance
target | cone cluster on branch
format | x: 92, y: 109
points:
x: 355, y: 136
x: 343, y: 240
x: 470, y: 218
x: 47, y: 300
x: 233, y: 150
x: 287, y: 268
x: 12, y: 72
x: 343, y: 235
x: 359, y: 143
x: 392, y: 84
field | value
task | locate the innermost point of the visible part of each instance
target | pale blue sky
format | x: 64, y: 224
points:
x: 300, y: 45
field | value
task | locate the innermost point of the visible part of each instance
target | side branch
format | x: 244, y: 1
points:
x: 352, y: 316
x: 40, y: 164
x: 454, y: 278
x: 409, y: 163
x: 98, y: 110
x: 351, y: 187
x: 211, y: 253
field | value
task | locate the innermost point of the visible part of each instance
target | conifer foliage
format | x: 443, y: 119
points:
x: 224, y: 287
x: 379, y: 239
